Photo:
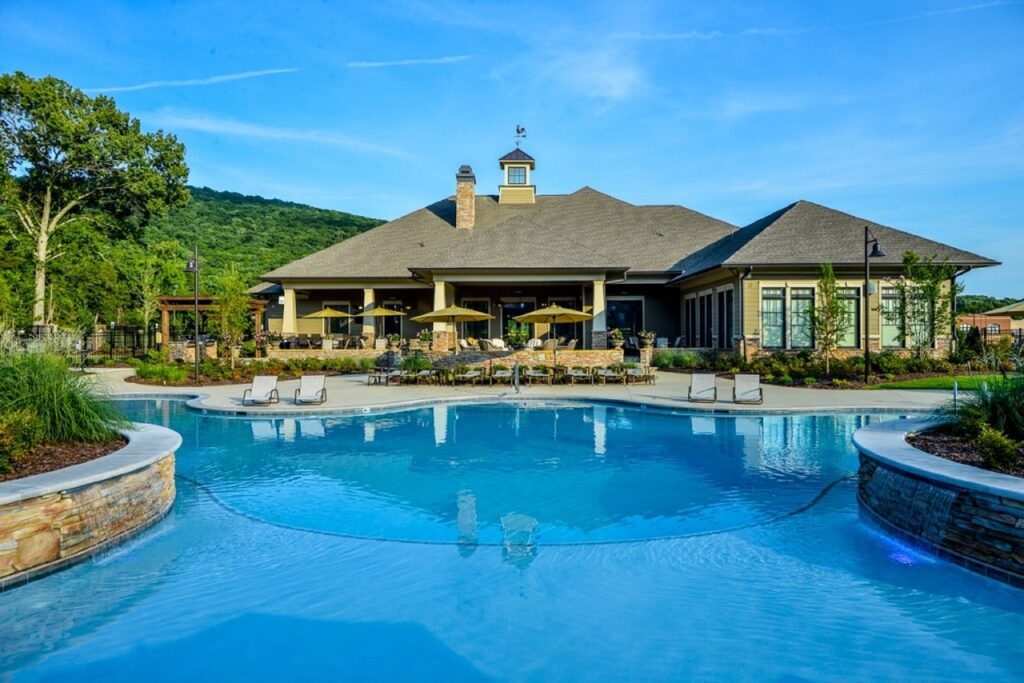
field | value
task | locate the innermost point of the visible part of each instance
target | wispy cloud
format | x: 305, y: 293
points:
x: 672, y: 36
x: 223, y: 126
x: 192, y: 82
x: 409, y: 62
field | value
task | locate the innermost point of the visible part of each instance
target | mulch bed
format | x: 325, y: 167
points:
x: 825, y: 383
x: 203, y: 381
x: 959, y: 449
x: 54, y: 456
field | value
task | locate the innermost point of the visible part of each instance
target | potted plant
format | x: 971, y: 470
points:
x: 616, y: 338
x: 647, y: 338
x: 517, y: 335
x: 394, y: 341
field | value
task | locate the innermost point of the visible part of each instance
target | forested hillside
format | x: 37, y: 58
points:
x: 98, y: 279
x: 255, y: 233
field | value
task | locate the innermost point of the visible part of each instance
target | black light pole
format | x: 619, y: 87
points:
x: 193, y: 267
x: 876, y: 252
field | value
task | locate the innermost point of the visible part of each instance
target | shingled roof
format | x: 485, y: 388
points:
x: 584, y: 229
x: 805, y: 233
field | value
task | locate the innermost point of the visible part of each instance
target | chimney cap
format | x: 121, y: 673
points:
x: 465, y: 173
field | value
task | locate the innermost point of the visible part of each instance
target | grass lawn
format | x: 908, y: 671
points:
x: 966, y: 382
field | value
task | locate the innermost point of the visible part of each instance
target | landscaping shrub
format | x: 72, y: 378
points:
x: 168, y: 374
x: 662, y: 359
x: 416, y: 364
x: 1000, y: 407
x: 998, y: 450
x: 65, y: 402
x: 367, y: 364
x: 21, y: 431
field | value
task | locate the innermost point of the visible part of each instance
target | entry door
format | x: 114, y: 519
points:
x: 392, y: 324
x: 566, y: 330
x: 626, y: 314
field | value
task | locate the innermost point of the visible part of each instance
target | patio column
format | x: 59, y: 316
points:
x: 289, y: 323
x: 165, y: 327
x: 598, y: 328
x: 444, y: 296
x: 369, y: 324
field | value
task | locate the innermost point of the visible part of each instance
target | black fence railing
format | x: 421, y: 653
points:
x: 116, y: 343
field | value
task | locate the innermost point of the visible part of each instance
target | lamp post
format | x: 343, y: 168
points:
x: 193, y: 267
x: 876, y: 252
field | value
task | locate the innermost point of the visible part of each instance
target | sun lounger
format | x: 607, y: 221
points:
x: 501, y: 376
x: 604, y: 375
x: 747, y: 389
x: 575, y: 375
x: 535, y: 375
x: 262, y: 392
x: 470, y: 377
x: 311, y: 389
x: 702, y: 388
x: 639, y: 375
x: 426, y: 376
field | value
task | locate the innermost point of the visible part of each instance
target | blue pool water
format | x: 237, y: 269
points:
x: 512, y: 542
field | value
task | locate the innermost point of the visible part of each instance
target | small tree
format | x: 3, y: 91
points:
x: 927, y: 295
x: 831, y: 317
x: 68, y: 159
x: 231, y: 307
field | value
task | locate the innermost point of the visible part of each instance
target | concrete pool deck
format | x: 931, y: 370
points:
x: 350, y: 393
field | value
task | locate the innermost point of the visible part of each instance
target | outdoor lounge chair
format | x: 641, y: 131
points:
x: 604, y: 375
x: 426, y: 376
x: 533, y: 343
x: 500, y: 376
x: 639, y: 375
x: 316, y: 341
x: 549, y: 345
x: 311, y: 389
x: 578, y: 375
x: 571, y: 346
x: 534, y: 374
x: 747, y: 389
x: 468, y: 377
x: 262, y: 392
x: 702, y: 388
x: 302, y: 341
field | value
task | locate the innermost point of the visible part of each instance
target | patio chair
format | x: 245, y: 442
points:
x: 468, y: 377
x: 542, y: 374
x: 464, y: 345
x: 575, y: 375
x: 678, y: 343
x: 533, y: 343
x: 702, y: 388
x: 549, y: 345
x: 311, y: 389
x: 604, y: 375
x: 316, y: 341
x: 500, y: 376
x: 633, y: 344
x: 487, y: 345
x: 747, y: 389
x: 499, y: 344
x: 302, y: 341
x: 571, y: 346
x: 262, y: 392
x: 427, y: 376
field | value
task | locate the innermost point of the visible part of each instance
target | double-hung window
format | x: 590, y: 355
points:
x: 516, y: 175
x: 773, y: 317
x: 802, y: 317
x: 850, y: 297
x: 891, y: 332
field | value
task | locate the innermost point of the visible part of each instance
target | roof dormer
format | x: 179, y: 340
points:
x: 517, y: 184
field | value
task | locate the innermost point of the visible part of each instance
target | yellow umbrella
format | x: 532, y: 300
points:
x: 452, y: 315
x: 379, y: 312
x: 328, y: 312
x: 552, y: 315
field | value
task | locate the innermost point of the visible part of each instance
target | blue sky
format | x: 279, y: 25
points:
x: 907, y: 113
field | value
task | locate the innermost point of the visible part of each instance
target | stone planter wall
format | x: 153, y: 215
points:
x: 51, y: 520
x: 587, y: 358
x: 972, y: 517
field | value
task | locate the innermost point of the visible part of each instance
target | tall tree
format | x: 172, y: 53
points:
x: 831, y: 317
x: 231, y: 308
x: 67, y: 158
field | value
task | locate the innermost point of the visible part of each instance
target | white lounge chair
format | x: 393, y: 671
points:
x: 263, y: 391
x: 579, y: 375
x: 747, y: 389
x: 311, y: 389
x: 470, y: 377
x: 702, y: 388
x: 538, y: 374
x: 501, y: 376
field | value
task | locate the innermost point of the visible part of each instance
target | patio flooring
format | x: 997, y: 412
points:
x: 350, y: 393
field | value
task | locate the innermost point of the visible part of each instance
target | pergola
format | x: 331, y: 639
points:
x: 206, y: 303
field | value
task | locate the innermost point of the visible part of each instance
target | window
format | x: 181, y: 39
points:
x: 850, y: 296
x: 919, y: 319
x: 516, y: 175
x: 566, y: 331
x: 993, y: 328
x: 626, y: 314
x: 725, y: 319
x: 338, y: 325
x: 891, y: 318
x: 691, y: 322
x: 802, y: 311
x: 964, y: 327
x: 510, y: 308
x: 773, y: 317
x: 480, y: 329
x: 392, y: 324
x: 706, y: 301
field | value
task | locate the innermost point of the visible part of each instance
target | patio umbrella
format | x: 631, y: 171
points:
x: 379, y: 312
x: 552, y: 315
x: 328, y: 313
x: 452, y: 315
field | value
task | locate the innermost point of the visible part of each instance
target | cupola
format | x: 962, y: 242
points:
x: 517, y: 184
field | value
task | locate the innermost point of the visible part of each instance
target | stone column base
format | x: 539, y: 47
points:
x: 646, y: 355
x: 441, y: 340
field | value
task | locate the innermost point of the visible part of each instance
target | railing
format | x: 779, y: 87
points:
x: 116, y: 343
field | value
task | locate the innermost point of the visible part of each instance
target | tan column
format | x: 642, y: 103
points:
x: 289, y: 319
x: 598, y: 326
x: 444, y: 296
x: 369, y: 329
x: 165, y: 327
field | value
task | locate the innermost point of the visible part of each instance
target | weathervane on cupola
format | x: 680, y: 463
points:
x: 520, y: 134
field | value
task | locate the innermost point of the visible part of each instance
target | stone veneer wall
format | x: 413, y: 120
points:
x: 978, y: 530
x: 51, y: 530
x: 587, y: 358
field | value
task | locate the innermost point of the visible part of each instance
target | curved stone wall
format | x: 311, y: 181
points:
x: 967, y: 515
x: 51, y: 520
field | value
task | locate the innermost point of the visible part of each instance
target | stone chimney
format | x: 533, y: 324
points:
x: 465, y: 198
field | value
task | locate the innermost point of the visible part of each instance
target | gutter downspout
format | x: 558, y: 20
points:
x: 952, y: 304
x: 740, y: 301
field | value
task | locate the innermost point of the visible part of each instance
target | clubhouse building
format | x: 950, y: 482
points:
x: 696, y: 281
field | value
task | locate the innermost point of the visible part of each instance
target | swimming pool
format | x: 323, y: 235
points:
x: 512, y: 542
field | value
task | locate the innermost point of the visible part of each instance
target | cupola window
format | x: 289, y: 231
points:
x: 516, y: 175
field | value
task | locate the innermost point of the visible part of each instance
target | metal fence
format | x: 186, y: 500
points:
x: 116, y: 343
